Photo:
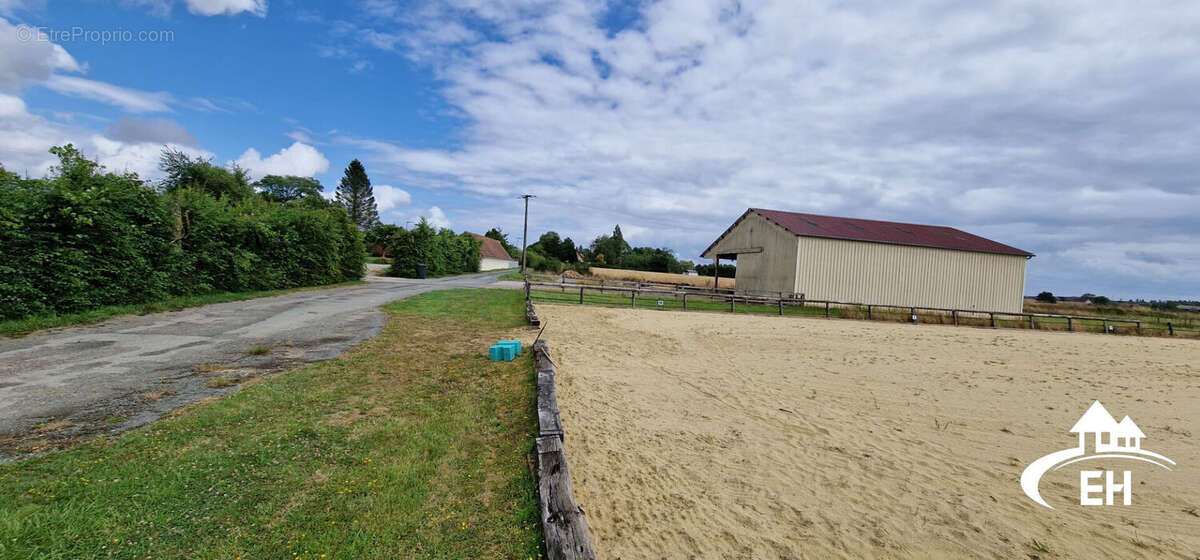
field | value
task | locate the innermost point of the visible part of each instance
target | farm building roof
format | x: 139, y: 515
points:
x: 491, y: 248
x: 875, y: 231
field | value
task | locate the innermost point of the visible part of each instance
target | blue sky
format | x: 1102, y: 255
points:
x: 1067, y: 130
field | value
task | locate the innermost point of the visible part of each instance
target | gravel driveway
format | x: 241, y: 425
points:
x: 62, y: 385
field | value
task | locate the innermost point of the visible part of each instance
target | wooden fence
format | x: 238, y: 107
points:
x: 562, y: 519
x: 788, y: 302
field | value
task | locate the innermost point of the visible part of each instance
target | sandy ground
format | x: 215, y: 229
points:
x: 703, y: 435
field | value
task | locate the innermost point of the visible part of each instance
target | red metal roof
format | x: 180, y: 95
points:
x: 491, y: 248
x: 875, y: 231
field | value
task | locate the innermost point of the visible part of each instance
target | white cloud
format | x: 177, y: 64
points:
x: 437, y: 218
x: 298, y: 159
x: 132, y: 100
x: 11, y: 106
x: 25, y: 140
x: 23, y: 59
x: 141, y: 158
x: 388, y: 197
x: 227, y: 7
x: 1043, y: 126
x: 129, y: 144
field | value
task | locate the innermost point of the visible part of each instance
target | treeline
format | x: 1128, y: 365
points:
x: 84, y: 238
x: 552, y: 253
x: 724, y: 271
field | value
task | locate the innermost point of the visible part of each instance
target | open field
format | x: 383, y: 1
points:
x: 660, y: 277
x: 1153, y: 318
x: 411, y: 445
x: 705, y: 435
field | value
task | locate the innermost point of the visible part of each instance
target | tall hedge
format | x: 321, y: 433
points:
x: 84, y: 238
x: 441, y: 251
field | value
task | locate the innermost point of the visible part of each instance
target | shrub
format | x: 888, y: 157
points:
x: 1046, y: 297
x: 442, y: 252
x: 85, y: 238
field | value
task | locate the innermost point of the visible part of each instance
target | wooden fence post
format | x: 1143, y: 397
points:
x: 581, y: 295
x: 869, y: 314
x: 1170, y: 329
x: 1139, y: 325
x: 954, y: 314
x: 1106, y: 325
x: 685, y: 301
x: 992, y: 317
x: 732, y: 300
x: 1070, y: 324
x: 827, y: 310
x: 781, y: 304
x: 633, y: 299
x: 1031, y: 321
x: 913, y: 312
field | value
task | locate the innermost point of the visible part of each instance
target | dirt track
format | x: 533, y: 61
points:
x: 62, y: 385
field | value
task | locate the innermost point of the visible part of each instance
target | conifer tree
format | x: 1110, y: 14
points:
x: 355, y: 195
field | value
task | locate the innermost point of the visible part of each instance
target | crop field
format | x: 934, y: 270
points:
x: 717, y: 435
x: 659, y: 277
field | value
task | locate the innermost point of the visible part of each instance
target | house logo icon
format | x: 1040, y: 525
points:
x: 1109, y: 440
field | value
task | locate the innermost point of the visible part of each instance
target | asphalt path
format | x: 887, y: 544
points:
x: 64, y: 384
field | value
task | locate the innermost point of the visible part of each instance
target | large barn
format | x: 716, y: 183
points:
x: 869, y: 261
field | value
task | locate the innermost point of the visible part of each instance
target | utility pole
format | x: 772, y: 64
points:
x: 525, y: 231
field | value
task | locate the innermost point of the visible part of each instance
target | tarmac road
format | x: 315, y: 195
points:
x: 83, y: 380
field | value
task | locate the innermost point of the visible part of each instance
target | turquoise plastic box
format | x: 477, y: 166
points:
x: 516, y: 344
x: 501, y: 353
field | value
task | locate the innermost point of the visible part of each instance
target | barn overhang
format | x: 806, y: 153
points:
x: 716, y: 251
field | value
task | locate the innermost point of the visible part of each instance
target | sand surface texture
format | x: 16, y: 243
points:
x: 703, y: 435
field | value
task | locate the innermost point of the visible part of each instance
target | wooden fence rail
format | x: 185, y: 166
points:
x: 563, y: 522
x: 636, y: 290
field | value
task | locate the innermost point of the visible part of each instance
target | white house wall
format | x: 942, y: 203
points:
x: 879, y: 273
x: 490, y: 263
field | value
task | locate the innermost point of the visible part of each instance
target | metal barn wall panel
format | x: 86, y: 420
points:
x: 771, y: 271
x: 879, y: 273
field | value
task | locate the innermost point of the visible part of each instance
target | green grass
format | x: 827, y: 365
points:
x: 378, y: 260
x: 19, y: 327
x: 694, y: 303
x: 515, y: 275
x: 411, y: 445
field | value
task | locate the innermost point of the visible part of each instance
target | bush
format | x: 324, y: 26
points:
x: 253, y: 244
x: 442, y: 252
x: 1046, y: 297
x: 84, y: 238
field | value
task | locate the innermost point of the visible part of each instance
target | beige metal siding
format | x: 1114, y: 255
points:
x: 879, y: 273
x: 771, y: 271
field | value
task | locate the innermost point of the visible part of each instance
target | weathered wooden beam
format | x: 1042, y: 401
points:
x: 562, y: 519
x: 531, y: 314
x: 549, y: 419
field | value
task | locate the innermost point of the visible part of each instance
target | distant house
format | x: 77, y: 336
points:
x: 492, y: 254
